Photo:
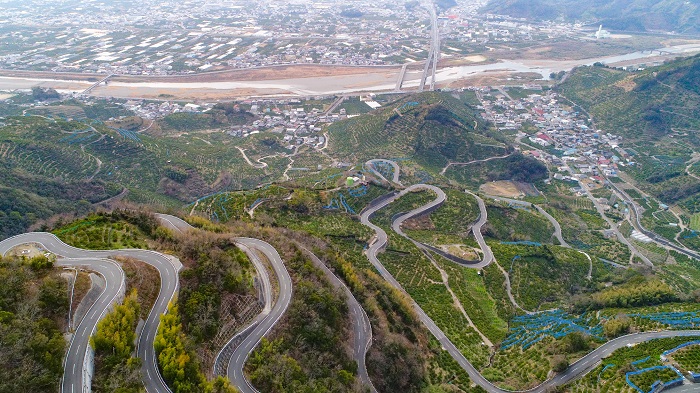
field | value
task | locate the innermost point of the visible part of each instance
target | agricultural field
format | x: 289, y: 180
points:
x: 423, y: 282
x: 681, y: 273
x: 646, y: 379
x: 542, y: 277
x: 516, y: 167
x: 102, y: 232
x: 582, y: 226
x: 470, y: 288
x: 450, y: 223
x: 515, y: 223
x: 688, y: 358
x: 695, y: 222
x: 610, y: 375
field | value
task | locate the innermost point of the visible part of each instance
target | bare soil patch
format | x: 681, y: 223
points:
x: 422, y: 222
x: 509, y: 189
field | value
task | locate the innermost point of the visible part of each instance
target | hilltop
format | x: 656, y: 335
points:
x: 431, y: 128
x: 632, y: 15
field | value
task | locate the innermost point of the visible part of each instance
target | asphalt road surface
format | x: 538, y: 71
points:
x: 241, y: 353
x: 113, y: 274
x: 167, y: 268
x: 362, y: 330
x: 270, y: 315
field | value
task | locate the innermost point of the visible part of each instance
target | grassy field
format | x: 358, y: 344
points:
x: 695, y: 222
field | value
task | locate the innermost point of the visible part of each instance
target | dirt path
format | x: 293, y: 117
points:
x: 260, y: 165
x: 509, y: 290
x: 446, y: 281
x: 442, y: 172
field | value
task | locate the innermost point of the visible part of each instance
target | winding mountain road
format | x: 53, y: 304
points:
x: 362, y: 330
x: 73, y: 373
x: 167, y: 267
x: 242, y: 351
x: 262, y: 324
x: 252, y: 333
x: 577, y: 369
x: 397, y: 170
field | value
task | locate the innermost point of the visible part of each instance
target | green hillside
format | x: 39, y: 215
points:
x: 680, y: 16
x: 430, y: 128
x: 655, y: 111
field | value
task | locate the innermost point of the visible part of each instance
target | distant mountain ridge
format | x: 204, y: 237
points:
x: 680, y: 16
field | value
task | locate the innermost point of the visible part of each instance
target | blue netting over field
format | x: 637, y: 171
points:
x: 337, y: 203
x: 527, y: 330
x: 128, y: 134
x: 358, y: 191
x: 676, y: 320
x: 657, y: 385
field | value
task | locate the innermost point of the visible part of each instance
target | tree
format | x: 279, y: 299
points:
x: 617, y: 326
x: 575, y: 342
x: 559, y: 363
x: 177, y: 363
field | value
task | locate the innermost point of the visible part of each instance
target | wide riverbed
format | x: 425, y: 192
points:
x: 383, y: 79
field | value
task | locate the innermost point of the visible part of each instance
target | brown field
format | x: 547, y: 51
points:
x: 509, y: 189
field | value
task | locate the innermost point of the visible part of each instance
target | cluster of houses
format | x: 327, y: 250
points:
x: 561, y: 137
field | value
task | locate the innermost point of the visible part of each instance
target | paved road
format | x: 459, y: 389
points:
x: 577, y: 369
x: 262, y: 324
x: 240, y: 355
x: 167, y: 267
x: 73, y: 373
x: 476, y: 230
x: 397, y: 170
x: 362, y: 330
x: 637, y: 223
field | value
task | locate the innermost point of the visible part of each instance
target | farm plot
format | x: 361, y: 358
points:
x: 423, y: 282
x: 527, y: 330
x: 542, y: 277
x: 687, y: 358
x: 649, y: 379
x: 610, y: 375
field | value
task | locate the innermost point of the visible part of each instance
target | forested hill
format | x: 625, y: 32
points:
x: 431, y: 128
x: 680, y: 16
